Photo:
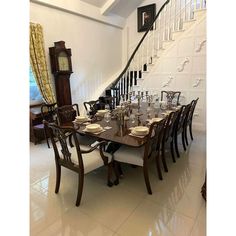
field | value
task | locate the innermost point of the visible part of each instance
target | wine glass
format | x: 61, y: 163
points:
x: 107, y: 118
x: 132, y: 118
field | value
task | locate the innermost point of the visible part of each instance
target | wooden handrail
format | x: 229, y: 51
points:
x: 137, y: 47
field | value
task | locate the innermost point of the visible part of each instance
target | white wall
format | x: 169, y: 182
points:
x: 96, y: 48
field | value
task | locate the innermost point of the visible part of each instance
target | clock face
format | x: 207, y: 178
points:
x: 63, y: 62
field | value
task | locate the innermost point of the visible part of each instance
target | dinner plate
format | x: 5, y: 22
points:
x: 94, y: 131
x: 93, y: 128
x: 138, y: 134
x: 141, y: 130
x: 156, y: 119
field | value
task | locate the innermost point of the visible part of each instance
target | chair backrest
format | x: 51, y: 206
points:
x: 61, y: 149
x: 182, y: 117
x: 109, y: 100
x: 170, y: 95
x: 154, y: 138
x: 67, y: 113
x: 170, y: 124
x: 191, y: 111
x: 48, y: 112
x: 92, y: 106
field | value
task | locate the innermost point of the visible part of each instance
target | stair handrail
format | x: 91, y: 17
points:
x: 137, y: 47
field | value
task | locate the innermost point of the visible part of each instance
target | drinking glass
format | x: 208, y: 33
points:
x: 107, y: 118
x: 132, y: 118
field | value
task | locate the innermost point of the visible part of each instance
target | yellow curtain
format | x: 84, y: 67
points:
x: 38, y: 63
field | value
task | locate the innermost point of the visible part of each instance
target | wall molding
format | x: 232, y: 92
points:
x: 167, y: 83
x: 197, y: 82
x: 182, y: 65
x: 200, y: 45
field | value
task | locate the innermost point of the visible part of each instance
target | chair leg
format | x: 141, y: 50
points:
x: 183, y: 141
x: 185, y: 135
x: 115, y: 165
x: 80, y: 188
x: 176, y: 144
x: 146, y: 178
x: 119, y: 170
x: 58, y: 178
x: 172, y: 151
x: 109, y: 173
x: 158, y: 165
x: 190, y: 131
x: 46, y: 137
x: 163, y: 157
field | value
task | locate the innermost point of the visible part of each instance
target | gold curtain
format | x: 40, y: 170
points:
x: 38, y: 63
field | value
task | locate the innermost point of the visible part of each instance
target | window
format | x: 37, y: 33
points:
x: 35, y: 95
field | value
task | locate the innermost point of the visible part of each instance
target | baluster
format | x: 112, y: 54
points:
x: 169, y: 23
x: 153, y: 39
x: 195, y: 5
x: 142, y: 61
x: 180, y: 14
x: 175, y: 18
x: 147, y: 58
x: 190, y: 9
x: 164, y: 23
x: 185, y: 10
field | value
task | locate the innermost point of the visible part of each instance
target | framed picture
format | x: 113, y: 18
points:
x: 146, y: 15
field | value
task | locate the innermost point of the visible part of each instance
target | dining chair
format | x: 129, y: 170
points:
x: 189, y: 120
x: 80, y: 159
x: 91, y: 107
x: 48, y: 113
x: 107, y: 101
x: 140, y: 156
x: 170, y: 95
x: 180, y: 126
x: 66, y: 115
x: 168, y: 136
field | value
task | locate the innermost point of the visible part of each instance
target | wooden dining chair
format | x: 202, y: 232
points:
x: 91, y: 107
x: 48, y: 113
x: 170, y: 95
x: 179, y: 126
x: 66, y: 115
x: 140, y: 156
x: 189, y: 120
x: 168, y: 136
x: 80, y: 159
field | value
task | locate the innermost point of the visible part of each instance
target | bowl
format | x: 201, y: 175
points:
x: 93, y: 127
x: 141, y: 130
x: 156, y: 119
x: 102, y: 112
x: 81, y: 118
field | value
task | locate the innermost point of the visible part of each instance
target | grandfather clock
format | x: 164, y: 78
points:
x: 61, y: 67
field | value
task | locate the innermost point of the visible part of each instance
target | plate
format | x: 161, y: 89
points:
x: 94, y: 131
x: 141, y: 130
x: 156, y: 119
x: 93, y: 128
x: 81, y: 118
x: 138, y: 134
x: 102, y: 112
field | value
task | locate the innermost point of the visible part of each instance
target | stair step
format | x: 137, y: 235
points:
x: 188, y: 23
x: 177, y: 33
x: 199, y: 13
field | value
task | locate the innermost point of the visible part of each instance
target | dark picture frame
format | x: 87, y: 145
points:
x: 146, y: 15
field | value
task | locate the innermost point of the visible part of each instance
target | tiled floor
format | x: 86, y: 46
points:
x: 175, y: 208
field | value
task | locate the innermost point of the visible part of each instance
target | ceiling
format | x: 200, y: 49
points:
x: 122, y: 8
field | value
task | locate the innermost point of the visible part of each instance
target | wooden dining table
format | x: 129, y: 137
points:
x: 120, y: 134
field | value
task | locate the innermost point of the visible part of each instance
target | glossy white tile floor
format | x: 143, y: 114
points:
x: 176, y: 206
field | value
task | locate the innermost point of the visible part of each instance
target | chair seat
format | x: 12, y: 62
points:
x: 91, y: 160
x: 130, y: 155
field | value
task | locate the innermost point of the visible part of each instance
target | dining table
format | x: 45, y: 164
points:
x: 114, y: 132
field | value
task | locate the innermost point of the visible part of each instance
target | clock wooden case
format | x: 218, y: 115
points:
x: 60, y: 58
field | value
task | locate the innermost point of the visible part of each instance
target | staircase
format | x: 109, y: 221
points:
x: 173, y: 18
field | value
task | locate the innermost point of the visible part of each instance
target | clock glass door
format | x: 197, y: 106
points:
x: 63, y: 62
